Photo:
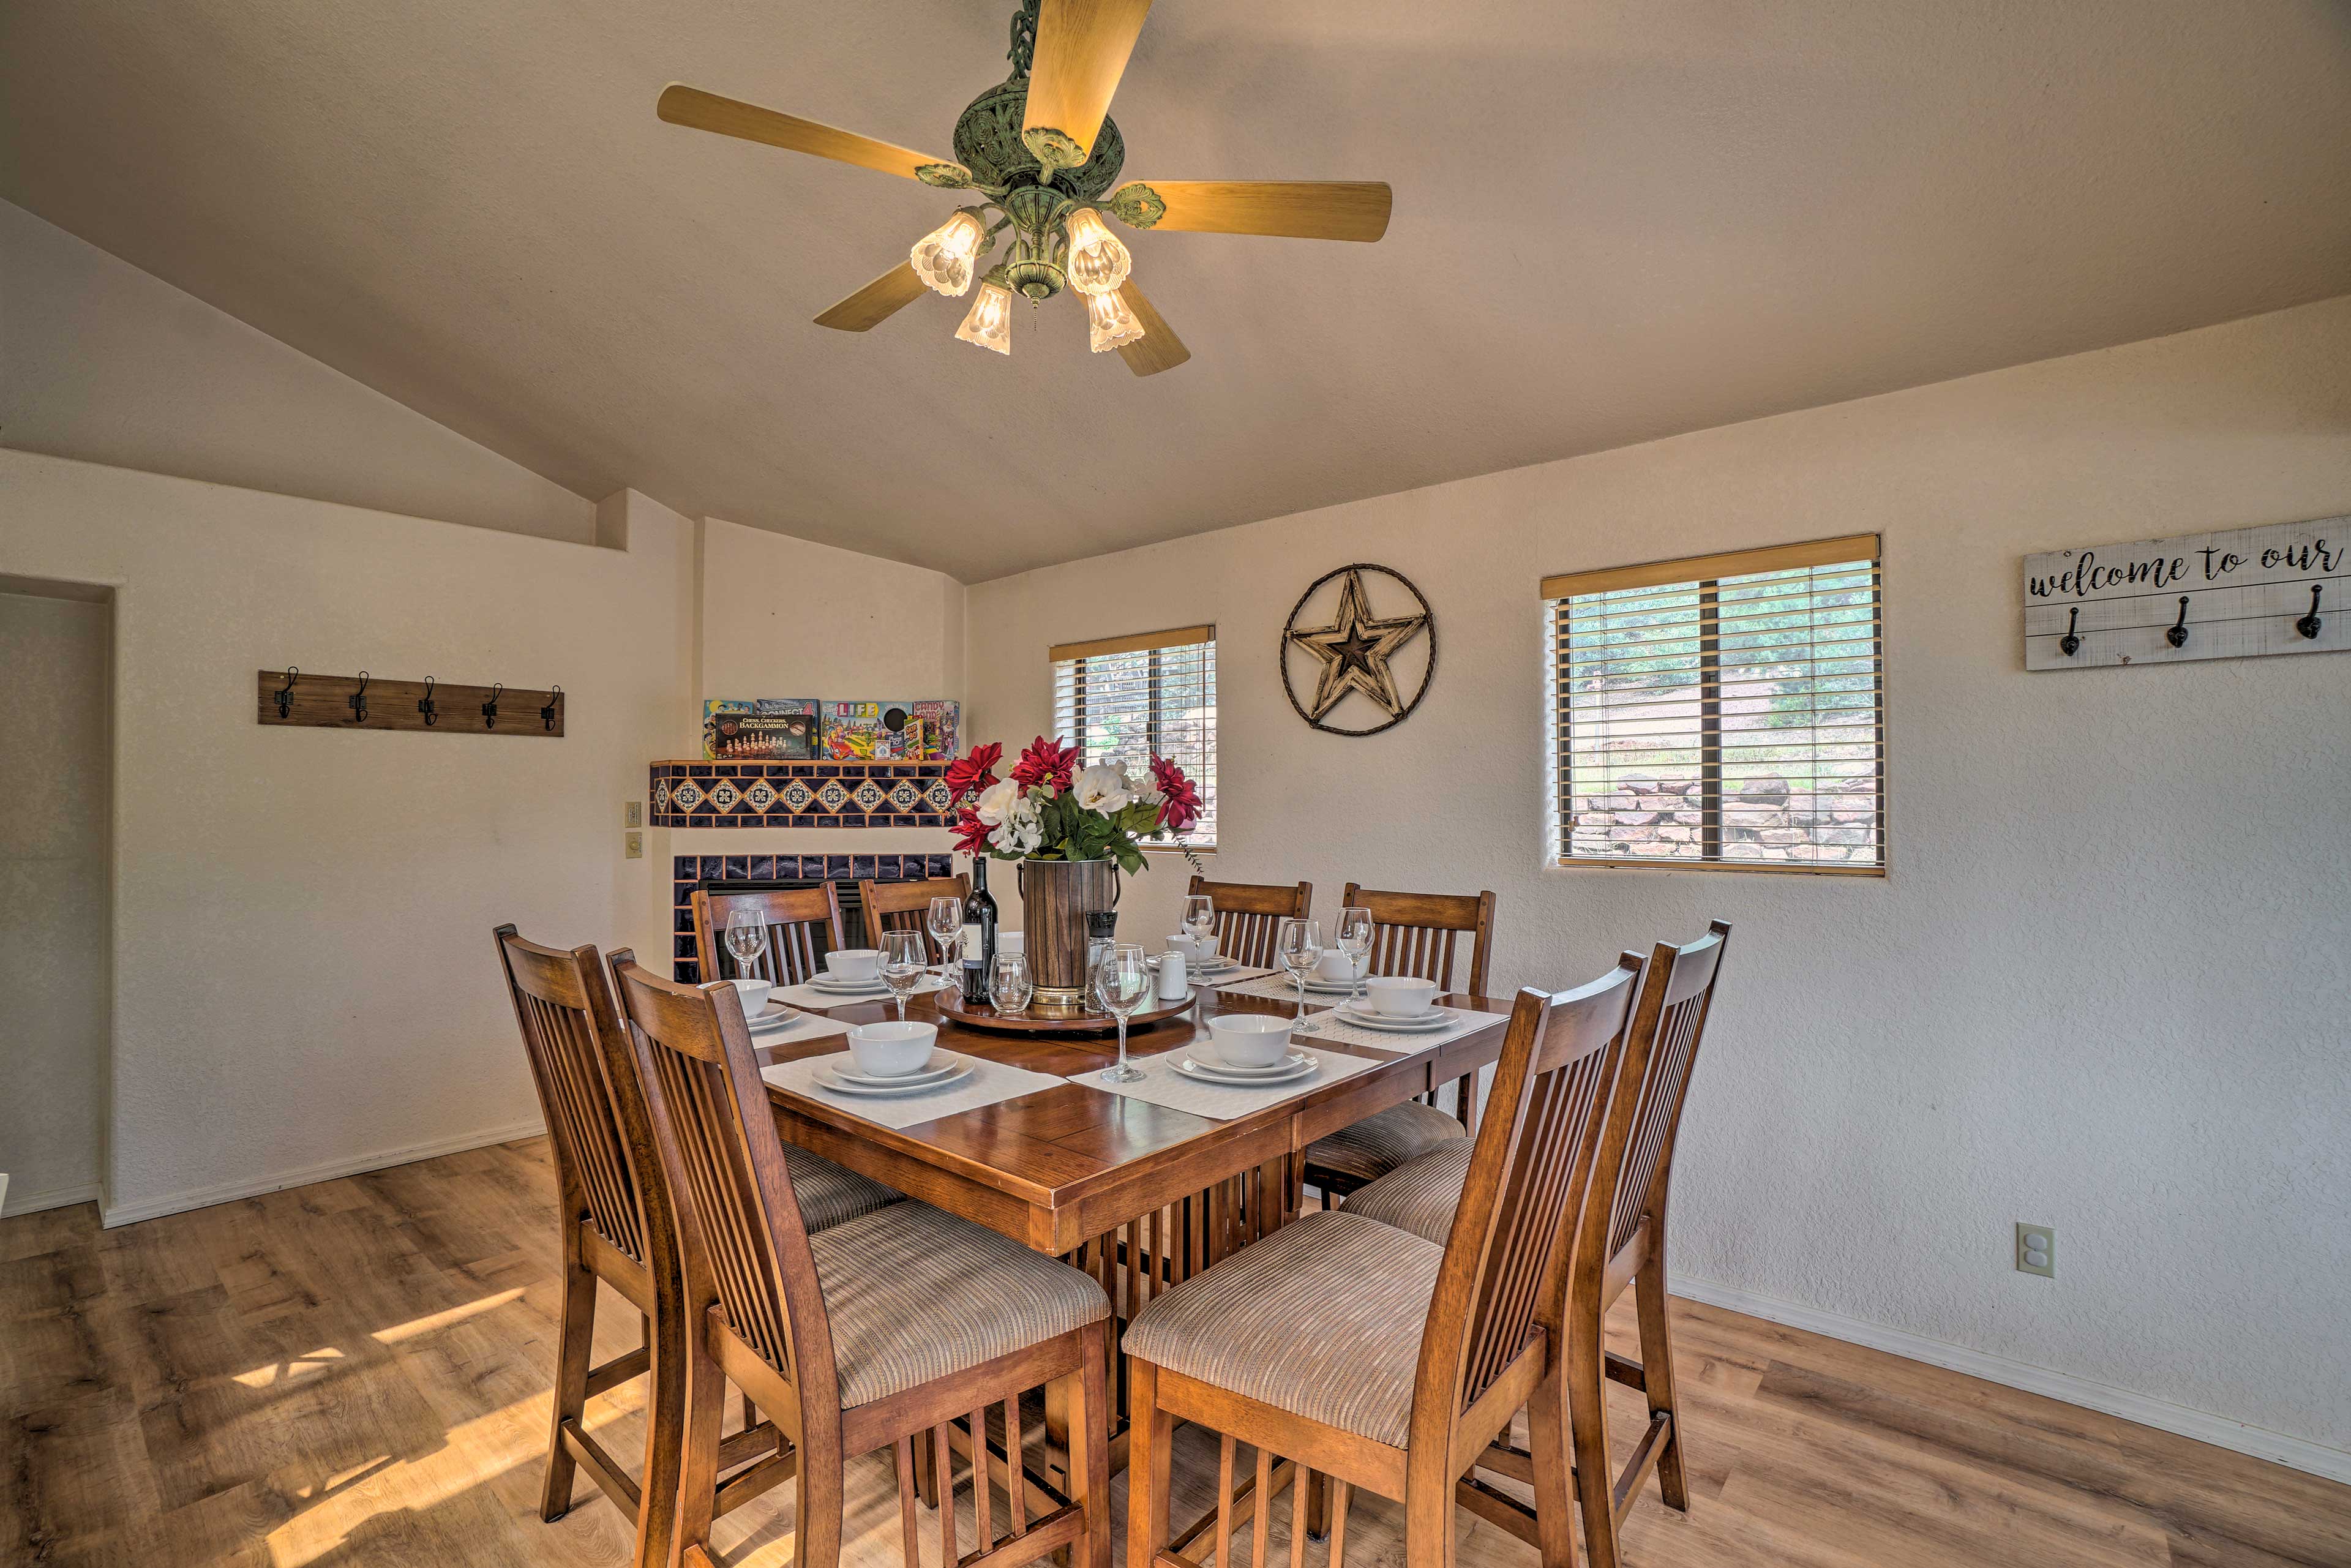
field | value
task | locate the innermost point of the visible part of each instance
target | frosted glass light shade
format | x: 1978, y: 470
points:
x: 943, y: 257
x: 989, y: 321
x: 1098, y: 263
x: 1111, y: 323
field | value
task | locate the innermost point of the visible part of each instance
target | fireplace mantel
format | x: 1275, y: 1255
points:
x: 695, y: 794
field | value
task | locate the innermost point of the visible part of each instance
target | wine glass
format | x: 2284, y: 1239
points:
x: 1009, y: 986
x: 746, y: 938
x: 945, y: 921
x: 1120, y: 983
x: 1299, y: 943
x: 1355, y: 941
x: 902, y: 967
x: 1200, y: 920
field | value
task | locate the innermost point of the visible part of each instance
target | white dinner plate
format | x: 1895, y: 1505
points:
x: 1435, y: 1019
x: 849, y: 988
x: 1191, y: 1069
x: 1214, y: 967
x: 776, y: 1016
x: 948, y: 1065
x: 1214, y: 1063
x: 1320, y: 987
x: 831, y: 1079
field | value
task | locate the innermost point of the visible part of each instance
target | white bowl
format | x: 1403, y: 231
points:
x: 893, y: 1049
x: 1199, y: 949
x: 1250, y: 1040
x: 854, y: 964
x: 1338, y: 967
x: 753, y: 995
x: 1399, y: 996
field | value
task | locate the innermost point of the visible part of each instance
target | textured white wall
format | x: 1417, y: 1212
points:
x: 104, y: 362
x: 54, y: 942
x: 2104, y: 987
x: 304, y: 978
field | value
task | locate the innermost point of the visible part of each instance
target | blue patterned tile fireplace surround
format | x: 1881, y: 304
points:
x: 690, y: 872
x: 799, y: 795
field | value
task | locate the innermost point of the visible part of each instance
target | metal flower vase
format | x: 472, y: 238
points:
x: 1056, y: 896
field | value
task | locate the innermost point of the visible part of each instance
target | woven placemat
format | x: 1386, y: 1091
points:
x: 1161, y: 1084
x: 1331, y: 1027
x: 989, y: 1082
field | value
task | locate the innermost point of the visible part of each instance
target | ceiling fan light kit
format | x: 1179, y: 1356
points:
x: 1040, y: 149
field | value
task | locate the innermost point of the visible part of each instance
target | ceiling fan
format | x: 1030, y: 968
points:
x: 1040, y: 150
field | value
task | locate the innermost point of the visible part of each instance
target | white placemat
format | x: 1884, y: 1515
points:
x: 809, y: 997
x: 989, y: 1082
x: 1331, y: 1026
x: 805, y: 1027
x: 1163, y: 1085
x: 1231, y: 979
x: 1281, y: 988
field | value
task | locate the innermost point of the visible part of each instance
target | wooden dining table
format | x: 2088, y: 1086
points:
x: 1138, y: 1195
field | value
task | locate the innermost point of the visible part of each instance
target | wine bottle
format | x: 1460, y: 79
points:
x: 980, y: 910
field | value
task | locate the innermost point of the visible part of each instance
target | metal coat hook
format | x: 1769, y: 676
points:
x: 286, y: 692
x: 2177, y: 633
x: 424, y: 705
x: 547, y: 713
x: 358, y: 700
x: 2309, y: 624
x: 2070, y: 644
x: 490, y: 708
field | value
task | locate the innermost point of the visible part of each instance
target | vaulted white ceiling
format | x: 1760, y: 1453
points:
x: 1613, y: 222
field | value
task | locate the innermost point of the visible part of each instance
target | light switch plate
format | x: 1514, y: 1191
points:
x: 632, y: 815
x: 2036, y: 1250
x: 635, y: 846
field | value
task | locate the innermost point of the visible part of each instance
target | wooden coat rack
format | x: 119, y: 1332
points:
x: 289, y: 696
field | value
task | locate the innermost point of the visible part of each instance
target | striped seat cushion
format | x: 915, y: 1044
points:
x: 832, y: 1195
x: 1418, y: 1196
x: 1377, y: 1145
x: 1322, y: 1319
x: 915, y: 1294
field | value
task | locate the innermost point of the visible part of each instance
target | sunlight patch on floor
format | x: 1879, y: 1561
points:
x: 427, y: 1324
x: 286, y: 1371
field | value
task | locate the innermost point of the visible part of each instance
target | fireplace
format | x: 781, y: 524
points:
x: 761, y: 873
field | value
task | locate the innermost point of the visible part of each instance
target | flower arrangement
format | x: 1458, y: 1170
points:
x: 1052, y: 810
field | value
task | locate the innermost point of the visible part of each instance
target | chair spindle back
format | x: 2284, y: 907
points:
x: 1669, y: 1023
x: 906, y: 906
x: 745, y: 1246
x: 803, y: 924
x: 1249, y: 916
x: 567, y: 1024
x: 1414, y: 933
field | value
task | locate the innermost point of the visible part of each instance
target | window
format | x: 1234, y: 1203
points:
x: 1128, y: 699
x: 1725, y: 710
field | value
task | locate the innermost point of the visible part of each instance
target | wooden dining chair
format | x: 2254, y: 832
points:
x: 1249, y: 916
x: 874, y: 1333
x: 1620, y: 1242
x: 1379, y: 1358
x: 904, y: 906
x: 1414, y: 934
x: 803, y: 924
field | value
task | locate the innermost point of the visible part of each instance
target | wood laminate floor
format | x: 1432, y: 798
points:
x: 355, y: 1373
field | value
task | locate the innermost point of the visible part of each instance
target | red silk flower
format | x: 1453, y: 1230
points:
x: 970, y: 832
x: 968, y: 776
x: 1179, y: 807
x: 1046, y: 762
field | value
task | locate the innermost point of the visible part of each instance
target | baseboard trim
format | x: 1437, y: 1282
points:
x: 2296, y: 1453
x: 56, y: 1198
x: 384, y: 1159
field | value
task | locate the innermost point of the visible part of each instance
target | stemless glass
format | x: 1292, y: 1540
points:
x: 1300, y: 944
x: 945, y: 921
x: 902, y: 967
x: 1355, y: 941
x: 1199, y: 917
x: 1122, y: 982
x: 1009, y: 986
x: 746, y: 938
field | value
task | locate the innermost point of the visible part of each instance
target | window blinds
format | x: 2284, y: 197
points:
x: 1128, y: 699
x: 1726, y: 710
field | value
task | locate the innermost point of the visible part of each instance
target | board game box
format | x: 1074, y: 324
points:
x: 761, y: 729
x: 889, y: 731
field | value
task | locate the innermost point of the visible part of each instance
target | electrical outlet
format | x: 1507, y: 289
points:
x: 633, y: 846
x: 2036, y: 1250
x: 632, y: 815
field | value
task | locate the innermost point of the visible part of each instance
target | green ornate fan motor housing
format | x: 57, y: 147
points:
x: 1000, y: 165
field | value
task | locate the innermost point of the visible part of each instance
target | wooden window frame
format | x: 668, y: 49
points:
x: 1704, y: 573
x: 1153, y: 643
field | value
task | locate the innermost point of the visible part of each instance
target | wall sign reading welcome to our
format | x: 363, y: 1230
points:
x: 2281, y: 589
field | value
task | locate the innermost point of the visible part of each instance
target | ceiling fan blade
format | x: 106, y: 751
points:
x: 1301, y: 209
x: 1081, y: 53
x: 1159, y: 349
x: 690, y: 105
x: 877, y: 301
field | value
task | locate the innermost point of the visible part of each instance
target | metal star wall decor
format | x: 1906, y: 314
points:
x: 1357, y: 649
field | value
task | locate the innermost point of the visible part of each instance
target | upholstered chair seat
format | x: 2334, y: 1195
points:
x: 1420, y: 1195
x: 833, y: 1195
x: 1323, y: 1319
x: 915, y: 1294
x: 1378, y: 1144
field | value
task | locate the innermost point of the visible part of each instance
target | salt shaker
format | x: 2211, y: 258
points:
x: 1173, y: 981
